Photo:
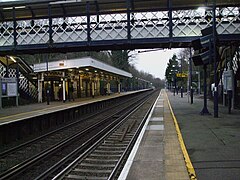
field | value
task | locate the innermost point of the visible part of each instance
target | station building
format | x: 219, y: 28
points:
x: 65, y: 79
x: 76, y: 78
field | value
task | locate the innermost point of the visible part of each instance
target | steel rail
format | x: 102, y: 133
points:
x: 130, y: 145
x: 95, y: 144
x: 16, y: 170
x: 4, y: 153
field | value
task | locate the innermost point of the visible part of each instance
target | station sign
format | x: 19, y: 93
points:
x: 183, y: 75
x: 227, y: 80
x: 9, y: 87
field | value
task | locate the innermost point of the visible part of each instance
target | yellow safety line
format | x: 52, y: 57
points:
x: 188, y: 162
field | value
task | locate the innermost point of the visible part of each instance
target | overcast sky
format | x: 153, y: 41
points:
x: 154, y: 62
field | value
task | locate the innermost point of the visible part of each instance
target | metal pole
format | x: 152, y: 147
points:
x: 93, y: 90
x: 17, y: 75
x: 190, y: 76
x: 7, y: 67
x: 170, y: 24
x: 88, y: 23
x: 215, y: 63
x: 14, y: 28
x: 199, y: 83
x: 205, y: 110
x: 233, y: 79
x: 64, y: 87
x: 119, y: 87
x: 128, y: 20
x: 174, y: 84
x: 181, y: 79
x: 50, y: 26
x: 47, y: 88
x: 0, y: 93
x: 40, y: 78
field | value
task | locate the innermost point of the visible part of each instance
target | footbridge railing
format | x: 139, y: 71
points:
x: 109, y: 30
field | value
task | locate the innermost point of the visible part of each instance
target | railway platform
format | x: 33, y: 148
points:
x: 11, y: 114
x: 212, y: 143
x: 157, y: 155
x: 18, y: 123
x: 179, y: 143
x: 176, y: 141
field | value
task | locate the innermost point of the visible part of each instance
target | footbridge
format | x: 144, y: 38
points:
x: 79, y: 25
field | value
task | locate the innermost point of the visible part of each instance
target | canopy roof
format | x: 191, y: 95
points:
x: 27, y: 9
x: 86, y: 64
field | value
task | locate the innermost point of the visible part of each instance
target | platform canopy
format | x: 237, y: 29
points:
x: 86, y: 64
x: 27, y: 9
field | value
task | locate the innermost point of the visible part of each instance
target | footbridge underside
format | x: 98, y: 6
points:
x: 63, y: 26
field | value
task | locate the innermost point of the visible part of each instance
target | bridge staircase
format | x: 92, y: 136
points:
x: 27, y: 83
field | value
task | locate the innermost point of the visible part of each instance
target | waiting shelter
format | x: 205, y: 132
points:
x: 76, y: 78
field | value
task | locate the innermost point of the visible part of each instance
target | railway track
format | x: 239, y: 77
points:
x: 106, y: 157
x: 31, y: 156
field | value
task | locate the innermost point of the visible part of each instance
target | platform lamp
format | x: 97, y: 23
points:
x: 181, y: 71
x: 190, y: 87
x: 172, y: 85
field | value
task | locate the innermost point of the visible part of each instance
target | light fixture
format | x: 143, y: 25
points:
x: 17, y: 7
x: 87, y: 69
x: 12, y: 58
x: 65, y: 2
x: 201, y: 11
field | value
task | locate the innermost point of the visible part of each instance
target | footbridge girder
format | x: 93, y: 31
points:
x: 62, y: 26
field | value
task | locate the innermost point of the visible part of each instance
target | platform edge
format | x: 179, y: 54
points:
x: 190, y: 168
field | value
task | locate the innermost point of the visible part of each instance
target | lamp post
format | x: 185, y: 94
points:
x: 181, y: 78
x: 190, y: 76
x: 173, y: 81
x: 180, y: 75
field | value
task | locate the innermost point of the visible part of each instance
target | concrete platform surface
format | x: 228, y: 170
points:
x: 11, y: 114
x: 157, y: 154
x: 213, y: 144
